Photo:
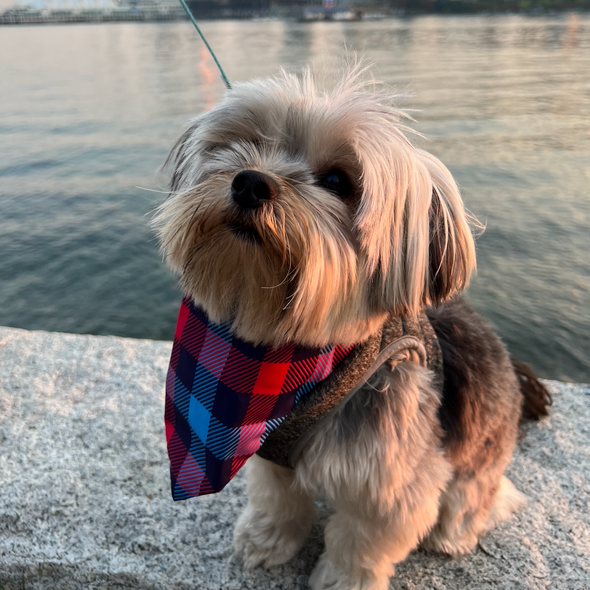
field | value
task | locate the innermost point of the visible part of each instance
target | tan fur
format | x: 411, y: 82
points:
x: 323, y: 269
x: 465, y: 515
x: 277, y: 519
x: 384, y: 482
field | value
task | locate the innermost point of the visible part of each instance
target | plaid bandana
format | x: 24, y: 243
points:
x: 224, y: 396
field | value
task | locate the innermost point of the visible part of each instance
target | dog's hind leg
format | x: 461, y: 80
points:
x: 480, y: 411
x: 276, y: 520
x: 471, y: 508
x: 506, y: 501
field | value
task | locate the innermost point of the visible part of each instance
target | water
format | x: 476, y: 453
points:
x: 88, y: 112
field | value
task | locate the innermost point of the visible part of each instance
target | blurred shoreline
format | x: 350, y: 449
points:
x: 147, y: 11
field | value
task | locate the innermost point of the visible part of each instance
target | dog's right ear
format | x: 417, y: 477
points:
x: 180, y: 156
x: 451, y: 250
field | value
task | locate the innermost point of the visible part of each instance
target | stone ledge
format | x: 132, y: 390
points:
x: 85, y: 501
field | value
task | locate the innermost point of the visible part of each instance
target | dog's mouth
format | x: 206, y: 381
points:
x: 245, y: 232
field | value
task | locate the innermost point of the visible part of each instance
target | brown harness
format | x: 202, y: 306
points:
x: 401, y: 338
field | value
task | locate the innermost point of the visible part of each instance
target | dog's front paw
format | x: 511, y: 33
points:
x: 261, y: 541
x: 327, y: 576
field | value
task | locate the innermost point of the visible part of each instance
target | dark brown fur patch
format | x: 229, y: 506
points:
x: 441, y: 279
x: 481, y: 401
x: 447, y: 267
x: 536, y: 397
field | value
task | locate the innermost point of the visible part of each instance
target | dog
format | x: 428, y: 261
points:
x: 298, y: 215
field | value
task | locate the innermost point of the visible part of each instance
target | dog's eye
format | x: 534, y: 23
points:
x: 336, y: 182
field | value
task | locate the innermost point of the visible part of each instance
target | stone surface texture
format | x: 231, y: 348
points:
x: 85, y: 500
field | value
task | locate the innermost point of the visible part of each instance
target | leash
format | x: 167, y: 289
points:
x: 192, y: 18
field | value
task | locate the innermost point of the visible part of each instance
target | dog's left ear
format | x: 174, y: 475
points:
x: 451, y: 252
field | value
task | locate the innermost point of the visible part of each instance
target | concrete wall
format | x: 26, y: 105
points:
x: 85, y: 501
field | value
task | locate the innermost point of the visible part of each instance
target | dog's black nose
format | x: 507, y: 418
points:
x: 250, y: 189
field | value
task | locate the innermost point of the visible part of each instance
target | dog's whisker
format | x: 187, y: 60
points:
x: 152, y: 190
x: 289, y: 300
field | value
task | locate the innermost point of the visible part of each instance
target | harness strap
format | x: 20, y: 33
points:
x: 402, y: 349
x: 399, y: 339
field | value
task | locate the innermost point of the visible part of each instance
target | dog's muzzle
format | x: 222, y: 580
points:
x: 250, y: 189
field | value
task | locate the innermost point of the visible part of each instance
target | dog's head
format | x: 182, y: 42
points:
x: 307, y: 216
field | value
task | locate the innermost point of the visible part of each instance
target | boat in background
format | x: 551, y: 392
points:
x: 329, y: 11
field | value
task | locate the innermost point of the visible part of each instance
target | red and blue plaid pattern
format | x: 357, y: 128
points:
x: 224, y: 396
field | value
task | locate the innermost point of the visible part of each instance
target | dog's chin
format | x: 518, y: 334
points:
x: 231, y: 275
x: 236, y: 279
x: 237, y: 269
x: 245, y: 232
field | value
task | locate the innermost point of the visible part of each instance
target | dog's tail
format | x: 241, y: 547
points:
x: 536, y: 398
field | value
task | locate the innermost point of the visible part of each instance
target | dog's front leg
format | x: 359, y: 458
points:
x: 276, y: 520
x: 355, y: 558
x: 361, y: 552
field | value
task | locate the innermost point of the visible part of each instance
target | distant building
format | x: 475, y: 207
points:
x: 236, y: 8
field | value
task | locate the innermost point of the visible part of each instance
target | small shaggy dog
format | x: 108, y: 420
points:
x: 308, y: 217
